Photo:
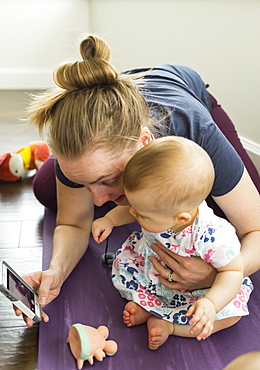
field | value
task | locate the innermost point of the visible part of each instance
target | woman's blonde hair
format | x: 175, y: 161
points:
x: 93, y: 105
x: 176, y: 171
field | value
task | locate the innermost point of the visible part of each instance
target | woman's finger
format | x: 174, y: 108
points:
x: 167, y: 258
x: 29, y: 322
x: 159, y: 267
x: 158, y: 248
x: 45, y: 317
x: 174, y: 285
x: 165, y: 253
x: 163, y: 275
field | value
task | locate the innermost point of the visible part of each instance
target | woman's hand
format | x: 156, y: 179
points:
x: 188, y: 273
x: 47, y: 284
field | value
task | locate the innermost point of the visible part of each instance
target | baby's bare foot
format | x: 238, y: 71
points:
x: 158, y: 331
x: 134, y: 314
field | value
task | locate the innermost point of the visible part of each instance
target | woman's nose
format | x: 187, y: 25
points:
x: 99, y: 198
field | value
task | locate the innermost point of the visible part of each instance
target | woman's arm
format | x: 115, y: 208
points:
x: 71, y: 235
x: 70, y: 241
x: 242, y: 207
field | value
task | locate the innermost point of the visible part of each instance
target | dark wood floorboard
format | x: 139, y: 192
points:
x: 21, y: 221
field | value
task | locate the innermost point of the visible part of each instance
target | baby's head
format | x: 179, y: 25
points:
x: 172, y: 174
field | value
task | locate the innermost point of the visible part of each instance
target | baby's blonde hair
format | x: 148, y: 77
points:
x: 176, y: 171
x: 93, y: 105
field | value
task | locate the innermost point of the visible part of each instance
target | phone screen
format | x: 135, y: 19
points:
x: 20, y: 290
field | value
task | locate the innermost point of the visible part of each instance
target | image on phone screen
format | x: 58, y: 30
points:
x: 20, y: 291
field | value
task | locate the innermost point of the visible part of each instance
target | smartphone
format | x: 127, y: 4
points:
x: 19, y: 292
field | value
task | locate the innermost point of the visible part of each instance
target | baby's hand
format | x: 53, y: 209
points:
x: 101, y: 228
x: 204, y: 313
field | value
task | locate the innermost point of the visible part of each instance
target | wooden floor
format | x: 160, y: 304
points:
x: 21, y: 221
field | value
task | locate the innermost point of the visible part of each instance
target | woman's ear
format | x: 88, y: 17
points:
x: 145, y: 136
x: 182, y: 218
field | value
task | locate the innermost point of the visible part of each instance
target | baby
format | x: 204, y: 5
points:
x: 166, y: 183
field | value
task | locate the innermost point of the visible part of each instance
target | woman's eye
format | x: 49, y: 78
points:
x: 109, y: 183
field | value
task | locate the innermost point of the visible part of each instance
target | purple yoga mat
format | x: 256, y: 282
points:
x: 88, y: 297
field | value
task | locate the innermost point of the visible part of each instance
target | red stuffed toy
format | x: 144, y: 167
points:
x: 14, y: 165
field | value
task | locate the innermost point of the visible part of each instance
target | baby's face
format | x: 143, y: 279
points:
x: 151, y: 218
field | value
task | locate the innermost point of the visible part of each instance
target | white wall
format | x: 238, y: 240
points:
x: 36, y: 35
x: 218, y: 38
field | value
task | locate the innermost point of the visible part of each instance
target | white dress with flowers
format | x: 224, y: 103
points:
x: 210, y: 237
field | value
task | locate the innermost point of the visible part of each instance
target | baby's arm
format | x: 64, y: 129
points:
x: 224, y: 289
x: 102, y: 227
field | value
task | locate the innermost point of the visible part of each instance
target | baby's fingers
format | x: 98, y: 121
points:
x: 190, y: 311
x: 99, y: 233
x: 96, y: 235
x: 197, y: 328
x: 197, y: 315
x: 206, y: 331
x: 103, y: 235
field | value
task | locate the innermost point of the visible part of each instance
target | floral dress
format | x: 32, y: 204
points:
x: 210, y: 237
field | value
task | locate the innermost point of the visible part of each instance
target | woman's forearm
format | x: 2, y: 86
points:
x: 69, y: 245
x: 242, y: 208
x: 250, y: 250
x: 71, y: 236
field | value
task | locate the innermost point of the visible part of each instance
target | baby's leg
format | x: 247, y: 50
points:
x: 159, y: 330
x: 184, y: 330
x: 134, y: 314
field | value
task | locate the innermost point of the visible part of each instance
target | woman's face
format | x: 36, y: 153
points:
x: 101, y: 173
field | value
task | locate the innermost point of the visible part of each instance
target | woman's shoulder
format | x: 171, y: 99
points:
x: 178, y: 81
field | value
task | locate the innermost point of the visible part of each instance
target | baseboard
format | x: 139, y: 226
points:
x: 250, y: 145
x: 25, y: 78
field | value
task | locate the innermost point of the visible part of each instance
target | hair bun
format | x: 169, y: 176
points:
x: 94, y: 47
x: 93, y: 70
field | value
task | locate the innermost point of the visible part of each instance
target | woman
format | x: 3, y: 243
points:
x: 97, y: 119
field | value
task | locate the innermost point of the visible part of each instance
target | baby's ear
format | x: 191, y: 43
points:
x: 182, y: 218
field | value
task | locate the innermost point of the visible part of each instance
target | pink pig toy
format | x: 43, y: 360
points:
x: 87, y: 342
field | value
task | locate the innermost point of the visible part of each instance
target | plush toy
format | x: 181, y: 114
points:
x: 14, y: 165
x: 87, y: 342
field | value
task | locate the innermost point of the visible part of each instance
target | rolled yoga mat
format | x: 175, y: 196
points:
x: 88, y: 297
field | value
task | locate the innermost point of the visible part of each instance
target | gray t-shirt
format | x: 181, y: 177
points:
x: 179, y: 94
